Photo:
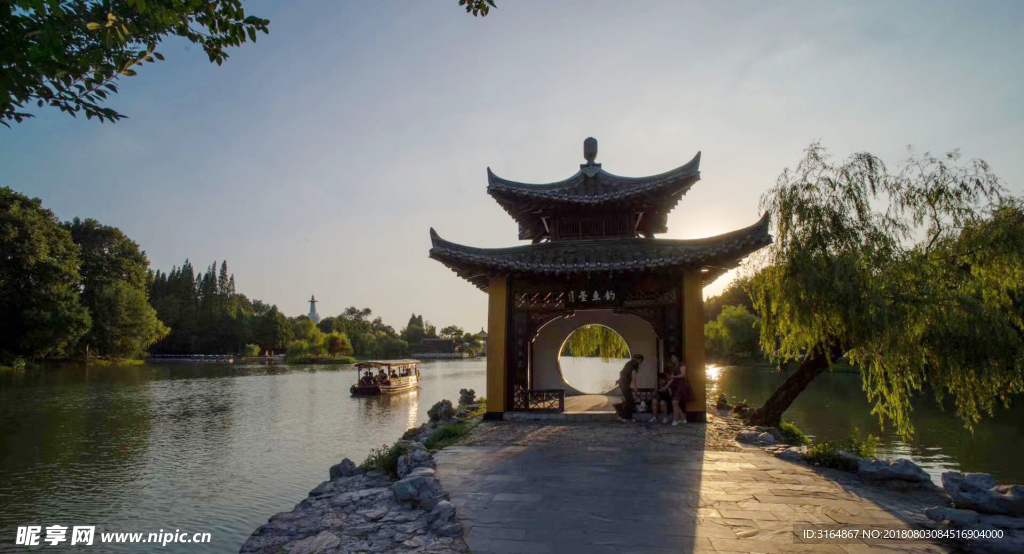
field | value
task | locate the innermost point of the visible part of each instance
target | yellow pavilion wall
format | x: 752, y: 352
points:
x: 693, y: 344
x: 497, y: 346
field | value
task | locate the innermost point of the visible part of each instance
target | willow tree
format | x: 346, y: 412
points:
x: 596, y: 340
x: 915, y: 275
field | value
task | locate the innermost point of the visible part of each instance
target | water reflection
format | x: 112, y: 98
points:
x: 712, y: 372
x: 218, y: 448
x: 196, y: 447
x: 835, y: 404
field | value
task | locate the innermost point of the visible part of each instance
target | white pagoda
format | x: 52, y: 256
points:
x: 312, y: 310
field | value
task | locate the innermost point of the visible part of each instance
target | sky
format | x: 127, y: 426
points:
x: 316, y: 160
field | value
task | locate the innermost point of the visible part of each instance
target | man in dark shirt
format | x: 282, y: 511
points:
x: 626, y: 386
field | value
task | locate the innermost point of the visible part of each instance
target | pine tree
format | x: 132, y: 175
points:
x: 222, y: 279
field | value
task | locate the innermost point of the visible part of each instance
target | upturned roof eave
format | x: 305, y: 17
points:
x: 645, y: 255
x: 620, y: 188
x: 690, y: 167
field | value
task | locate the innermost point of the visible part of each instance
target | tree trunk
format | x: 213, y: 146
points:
x: 770, y: 414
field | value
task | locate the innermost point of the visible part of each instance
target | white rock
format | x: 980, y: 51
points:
x: 795, y: 454
x: 322, y: 489
x: 960, y: 518
x: 312, y: 545
x: 346, y: 468
x: 774, y: 432
x: 442, y: 513
x: 424, y: 491
x: 1002, y: 522
x: 757, y: 438
x: 374, y: 514
x: 979, y: 492
x: 414, y: 542
x: 884, y: 470
x: 423, y: 472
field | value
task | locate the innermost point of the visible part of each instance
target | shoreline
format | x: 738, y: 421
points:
x: 392, y: 502
x: 386, y: 508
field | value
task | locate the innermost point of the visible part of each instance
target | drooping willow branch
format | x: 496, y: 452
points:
x: 596, y: 340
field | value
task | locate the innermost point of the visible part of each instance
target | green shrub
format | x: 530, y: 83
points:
x: 297, y: 349
x: 791, y: 434
x: 384, y: 459
x: 251, y: 351
x: 316, y: 349
x: 17, y: 365
x: 827, y: 453
x: 447, y: 435
x: 337, y: 344
x: 735, y: 333
x: 743, y: 409
x: 866, y: 447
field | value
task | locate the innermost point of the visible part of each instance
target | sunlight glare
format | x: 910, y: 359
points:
x: 712, y: 372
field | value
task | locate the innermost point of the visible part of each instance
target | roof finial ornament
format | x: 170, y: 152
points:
x: 590, y: 154
x: 590, y: 149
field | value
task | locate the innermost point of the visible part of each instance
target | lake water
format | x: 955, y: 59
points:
x: 196, y: 447
x: 220, y: 448
x: 834, y: 404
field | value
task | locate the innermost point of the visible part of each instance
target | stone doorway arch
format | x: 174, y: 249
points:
x: 637, y: 333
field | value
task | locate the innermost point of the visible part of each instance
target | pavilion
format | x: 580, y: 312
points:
x: 593, y: 259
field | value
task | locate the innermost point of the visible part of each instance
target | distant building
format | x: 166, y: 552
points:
x: 483, y: 341
x: 312, y: 310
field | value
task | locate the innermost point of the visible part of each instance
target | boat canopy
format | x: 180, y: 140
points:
x: 386, y: 363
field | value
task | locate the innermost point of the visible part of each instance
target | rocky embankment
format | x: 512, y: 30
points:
x: 360, y: 509
x: 991, y: 513
x: 988, y: 517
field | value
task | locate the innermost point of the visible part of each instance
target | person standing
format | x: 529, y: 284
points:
x: 680, y: 390
x: 626, y: 386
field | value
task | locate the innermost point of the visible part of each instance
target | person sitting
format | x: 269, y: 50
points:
x: 662, y: 399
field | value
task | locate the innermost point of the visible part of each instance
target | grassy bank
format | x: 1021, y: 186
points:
x: 21, y: 364
x: 106, y: 362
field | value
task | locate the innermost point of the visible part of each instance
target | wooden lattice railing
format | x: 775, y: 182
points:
x: 642, y: 400
x: 539, y: 400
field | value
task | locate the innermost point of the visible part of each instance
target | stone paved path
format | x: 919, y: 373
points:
x: 655, y: 498
x: 591, y: 403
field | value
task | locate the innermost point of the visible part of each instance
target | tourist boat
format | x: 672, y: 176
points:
x: 398, y: 376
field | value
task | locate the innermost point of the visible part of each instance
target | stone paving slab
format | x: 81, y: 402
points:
x: 651, y: 497
x: 591, y: 403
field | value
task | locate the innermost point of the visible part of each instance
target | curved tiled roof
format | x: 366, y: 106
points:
x: 601, y: 255
x: 593, y: 185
